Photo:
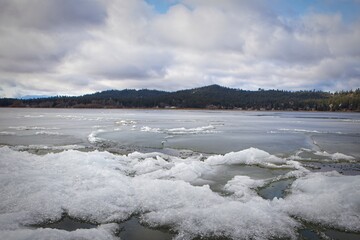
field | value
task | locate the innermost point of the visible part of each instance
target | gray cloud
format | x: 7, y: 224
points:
x: 81, y: 46
x: 37, y: 34
x: 51, y: 14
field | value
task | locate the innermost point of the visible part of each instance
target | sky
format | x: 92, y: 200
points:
x: 75, y: 47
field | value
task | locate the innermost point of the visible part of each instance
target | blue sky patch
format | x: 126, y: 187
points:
x: 162, y: 6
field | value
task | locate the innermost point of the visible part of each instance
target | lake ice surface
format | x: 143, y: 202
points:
x: 197, y: 174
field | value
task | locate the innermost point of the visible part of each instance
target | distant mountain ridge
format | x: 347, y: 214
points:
x: 208, y: 97
x: 26, y: 97
x: 126, y: 93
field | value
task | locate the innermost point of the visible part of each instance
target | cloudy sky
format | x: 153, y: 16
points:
x: 73, y: 47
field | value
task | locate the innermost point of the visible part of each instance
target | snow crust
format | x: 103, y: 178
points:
x: 164, y: 190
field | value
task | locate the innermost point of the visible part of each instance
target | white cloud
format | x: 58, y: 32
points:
x: 84, y: 47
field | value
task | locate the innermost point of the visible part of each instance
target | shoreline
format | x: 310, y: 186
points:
x: 189, y: 109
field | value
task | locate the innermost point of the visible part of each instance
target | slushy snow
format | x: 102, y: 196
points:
x: 164, y: 190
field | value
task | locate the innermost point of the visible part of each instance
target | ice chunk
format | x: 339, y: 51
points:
x: 247, y: 156
x: 181, y: 130
x: 161, y: 166
x: 87, y: 185
x: 189, y: 172
x: 125, y: 122
x: 150, y: 165
x: 47, y: 133
x: 242, y: 186
x: 197, y: 130
x: 139, y: 155
x: 326, y: 198
x: 93, y: 136
x: 149, y: 129
x: 256, y: 219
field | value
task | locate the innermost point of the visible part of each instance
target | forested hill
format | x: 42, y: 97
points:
x: 209, y: 97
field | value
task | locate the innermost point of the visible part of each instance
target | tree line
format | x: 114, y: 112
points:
x: 209, y: 97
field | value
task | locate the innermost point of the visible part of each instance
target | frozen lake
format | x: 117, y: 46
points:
x: 178, y: 174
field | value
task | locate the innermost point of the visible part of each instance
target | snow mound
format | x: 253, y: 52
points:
x: 326, y: 198
x: 247, y: 156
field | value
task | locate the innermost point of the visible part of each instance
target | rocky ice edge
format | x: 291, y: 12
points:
x: 103, y: 187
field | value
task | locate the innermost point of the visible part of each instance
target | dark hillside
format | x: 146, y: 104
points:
x: 210, y: 97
